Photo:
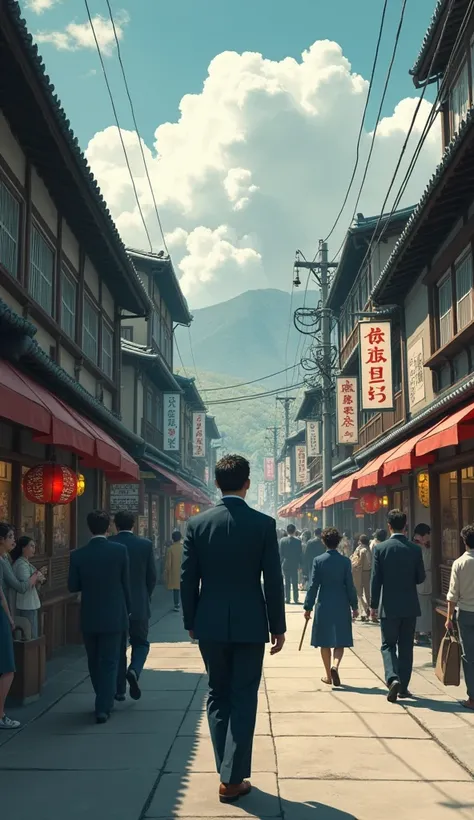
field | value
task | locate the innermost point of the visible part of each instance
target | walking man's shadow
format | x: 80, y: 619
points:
x: 262, y: 804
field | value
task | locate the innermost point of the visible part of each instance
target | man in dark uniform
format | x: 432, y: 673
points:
x: 226, y: 551
x: 291, y: 553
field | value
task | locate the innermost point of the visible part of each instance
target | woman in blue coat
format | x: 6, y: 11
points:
x: 333, y: 590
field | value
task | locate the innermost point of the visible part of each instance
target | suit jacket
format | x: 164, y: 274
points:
x: 291, y: 552
x: 314, y: 548
x: 141, y: 560
x: 397, y: 568
x: 99, y: 571
x: 225, y: 552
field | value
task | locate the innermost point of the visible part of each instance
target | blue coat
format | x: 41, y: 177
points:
x: 99, y: 571
x: 225, y: 553
x: 397, y: 568
x: 141, y: 560
x: 333, y: 590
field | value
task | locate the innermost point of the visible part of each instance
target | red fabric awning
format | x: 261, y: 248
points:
x: 302, y: 501
x: 373, y: 473
x: 342, y: 490
x: 282, y: 512
x: 449, y: 432
x: 182, y: 487
x: 25, y: 402
x: 403, y: 458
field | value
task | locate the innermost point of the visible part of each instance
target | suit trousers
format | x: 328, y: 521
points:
x: 235, y: 671
x: 465, y: 623
x: 103, y: 655
x: 291, y: 580
x: 398, y: 635
x: 138, y: 639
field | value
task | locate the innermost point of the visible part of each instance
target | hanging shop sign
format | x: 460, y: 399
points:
x: 261, y: 495
x: 300, y: 459
x: 423, y: 484
x: 207, y: 476
x: 184, y: 510
x: 358, y: 511
x: 50, y: 484
x: 376, y: 366
x: 171, y: 416
x: 370, y: 503
x: 416, y: 373
x: 288, y: 474
x: 125, y: 497
x: 199, y: 437
x: 347, y: 406
x: 313, y: 441
x: 269, y: 469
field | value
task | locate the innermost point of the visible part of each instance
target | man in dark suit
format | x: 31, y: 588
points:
x: 314, y: 548
x: 225, y: 553
x: 142, y: 583
x: 397, y: 568
x: 99, y: 571
x: 291, y: 553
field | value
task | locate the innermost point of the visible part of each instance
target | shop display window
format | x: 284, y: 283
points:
x: 61, y: 527
x: 450, y: 525
x: 5, y: 491
x: 33, y: 521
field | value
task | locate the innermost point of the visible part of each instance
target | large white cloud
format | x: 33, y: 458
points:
x: 80, y: 35
x: 255, y: 167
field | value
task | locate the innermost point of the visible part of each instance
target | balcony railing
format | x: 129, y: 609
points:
x: 152, y: 435
x: 349, y: 345
x: 381, y: 423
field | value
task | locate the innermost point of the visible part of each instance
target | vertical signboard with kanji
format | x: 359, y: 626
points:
x: 199, y: 437
x: 313, y: 445
x: 347, y: 416
x: 416, y: 373
x: 288, y: 474
x: 171, y: 415
x: 300, y: 458
x: 261, y: 495
x: 269, y: 469
x: 281, y: 478
x: 376, y: 366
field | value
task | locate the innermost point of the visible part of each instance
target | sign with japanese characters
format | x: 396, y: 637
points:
x: 288, y: 474
x: 376, y: 366
x: 416, y: 373
x: 207, y: 476
x: 313, y: 445
x: 269, y: 469
x: 261, y: 495
x: 199, y: 436
x: 171, y: 416
x: 347, y: 417
x: 300, y: 460
x: 124, y: 497
x: 281, y: 478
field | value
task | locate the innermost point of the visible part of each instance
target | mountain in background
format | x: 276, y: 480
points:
x: 246, y: 337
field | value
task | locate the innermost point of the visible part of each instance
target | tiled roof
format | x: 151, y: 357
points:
x: 427, y: 39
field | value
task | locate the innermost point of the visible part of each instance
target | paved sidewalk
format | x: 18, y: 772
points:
x: 320, y: 754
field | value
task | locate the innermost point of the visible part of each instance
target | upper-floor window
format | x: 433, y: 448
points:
x: 41, y: 271
x: 9, y: 230
x: 68, y: 303
x: 455, y: 295
x: 156, y: 327
x: 445, y: 310
x: 107, y: 362
x: 463, y: 286
x: 90, y: 332
x: 459, y: 99
x: 127, y: 333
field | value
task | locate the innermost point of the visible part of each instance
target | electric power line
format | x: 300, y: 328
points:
x: 361, y: 129
x: 244, y: 384
x: 180, y: 357
x: 140, y: 142
x: 118, y: 124
x: 238, y: 399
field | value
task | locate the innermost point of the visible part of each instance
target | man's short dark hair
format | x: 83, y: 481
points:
x: 124, y: 520
x: 331, y: 538
x: 467, y: 535
x: 380, y: 535
x: 176, y: 536
x: 422, y: 529
x: 98, y: 522
x: 318, y: 532
x: 364, y: 540
x: 231, y: 473
x: 397, y: 520
x: 291, y: 529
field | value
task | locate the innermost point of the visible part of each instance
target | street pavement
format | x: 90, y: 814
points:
x: 319, y: 754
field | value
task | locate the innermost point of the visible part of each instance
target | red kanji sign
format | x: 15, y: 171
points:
x: 376, y: 366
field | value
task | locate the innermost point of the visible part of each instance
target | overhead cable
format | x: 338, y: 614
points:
x: 244, y: 384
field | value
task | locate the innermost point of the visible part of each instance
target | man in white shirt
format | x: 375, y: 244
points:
x: 461, y: 597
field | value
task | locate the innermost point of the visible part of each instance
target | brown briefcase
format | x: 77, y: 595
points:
x: 448, y: 664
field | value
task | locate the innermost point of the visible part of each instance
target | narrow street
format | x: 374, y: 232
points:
x: 327, y: 755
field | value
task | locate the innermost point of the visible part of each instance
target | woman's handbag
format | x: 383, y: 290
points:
x: 448, y: 664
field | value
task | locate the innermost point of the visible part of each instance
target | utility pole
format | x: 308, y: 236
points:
x: 274, y: 432
x: 323, y: 358
x: 286, y: 402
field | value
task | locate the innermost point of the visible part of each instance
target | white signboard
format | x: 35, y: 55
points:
x: 300, y: 459
x: 124, y: 497
x: 376, y: 366
x: 288, y: 474
x: 171, y: 416
x: 313, y: 445
x: 347, y: 417
x: 416, y: 373
x: 199, y: 435
x: 261, y: 495
x: 281, y: 478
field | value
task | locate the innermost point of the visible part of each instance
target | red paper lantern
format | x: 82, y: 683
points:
x: 370, y: 503
x: 358, y: 511
x: 183, y: 511
x: 50, y: 484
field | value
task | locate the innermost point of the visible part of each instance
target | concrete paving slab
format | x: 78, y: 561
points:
x: 333, y: 701
x: 195, y: 754
x: 438, y: 713
x: 344, y: 724
x: 94, y: 752
x: 123, y: 721
x: 74, y: 795
x: 150, y: 701
x: 199, y: 700
x: 316, y: 685
x: 196, y: 723
x: 462, y: 741
x: 365, y: 759
x: 195, y: 795
x: 312, y: 672
x: 157, y: 681
x: 356, y: 800
x: 183, y: 664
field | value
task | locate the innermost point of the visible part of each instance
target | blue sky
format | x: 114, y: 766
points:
x: 168, y: 45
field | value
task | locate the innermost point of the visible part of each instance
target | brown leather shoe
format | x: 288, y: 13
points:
x: 234, y: 791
